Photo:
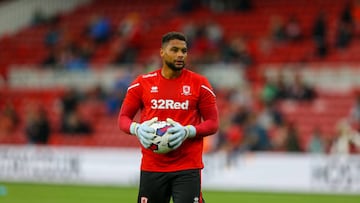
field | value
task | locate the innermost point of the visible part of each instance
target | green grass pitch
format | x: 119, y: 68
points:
x: 48, y: 193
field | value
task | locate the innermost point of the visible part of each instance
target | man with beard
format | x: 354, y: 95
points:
x: 187, y: 101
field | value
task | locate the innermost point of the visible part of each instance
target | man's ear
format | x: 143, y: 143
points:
x: 161, y: 52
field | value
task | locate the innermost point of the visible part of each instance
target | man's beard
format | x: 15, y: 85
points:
x: 173, y: 67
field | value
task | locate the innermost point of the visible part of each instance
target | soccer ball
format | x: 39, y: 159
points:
x: 160, y: 143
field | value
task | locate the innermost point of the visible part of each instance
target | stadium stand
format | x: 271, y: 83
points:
x: 27, y: 47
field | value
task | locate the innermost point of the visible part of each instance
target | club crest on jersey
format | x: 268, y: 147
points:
x: 186, y: 90
x: 154, y: 89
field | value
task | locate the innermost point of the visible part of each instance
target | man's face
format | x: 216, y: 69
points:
x: 174, y: 54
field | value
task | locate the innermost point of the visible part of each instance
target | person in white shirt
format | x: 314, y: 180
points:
x: 346, y: 137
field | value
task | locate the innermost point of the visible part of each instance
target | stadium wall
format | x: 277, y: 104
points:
x: 276, y: 172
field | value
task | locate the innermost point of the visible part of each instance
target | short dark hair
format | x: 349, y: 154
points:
x: 171, y: 36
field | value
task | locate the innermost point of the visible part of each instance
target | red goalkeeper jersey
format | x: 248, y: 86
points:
x: 188, y: 99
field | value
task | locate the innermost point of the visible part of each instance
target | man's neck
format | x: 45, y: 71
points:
x: 168, y: 73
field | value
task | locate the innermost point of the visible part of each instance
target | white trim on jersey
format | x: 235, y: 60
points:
x: 208, y: 89
x: 150, y: 75
x: 132, y: 86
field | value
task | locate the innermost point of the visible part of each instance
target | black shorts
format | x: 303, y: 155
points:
x: 181, y: 186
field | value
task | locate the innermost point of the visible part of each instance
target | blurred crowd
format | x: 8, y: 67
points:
x: 120, y: 42
x: 251, y: 120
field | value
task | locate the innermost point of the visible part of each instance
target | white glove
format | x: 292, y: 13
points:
x: 144, y: 132
x: 179, y: 133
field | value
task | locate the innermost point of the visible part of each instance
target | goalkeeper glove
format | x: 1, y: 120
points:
x: 179, y: 133
x: 144, y: 132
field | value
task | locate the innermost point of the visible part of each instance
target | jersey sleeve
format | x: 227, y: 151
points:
x: 131, y: 104
x: 208, y: 110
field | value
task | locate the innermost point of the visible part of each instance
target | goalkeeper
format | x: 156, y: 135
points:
x: 183, y: 98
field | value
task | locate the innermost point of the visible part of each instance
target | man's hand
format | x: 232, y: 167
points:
x: 144, y: 132
x: 179, y: 133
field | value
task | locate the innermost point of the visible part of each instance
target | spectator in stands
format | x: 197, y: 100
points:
x: 277, y: 29
x: 86, y: 50
x: 256, y: 137
x: 9, y: 119
x: 282, y: 86
x: 228, y: 5
x: 264, y: 45
x: 74, y: 124
x: 99, y: 29
x: 344, y: 35
x: 69, y: 55
x: 117, y: 93
x: 65, y: 51
x: 237, y: 51
x: 190, y: 28
x: 114, y: 101
x: 346, y: 16
x: 243, y: 5
x: 346, y: 26
x: 242, y: 99
x: 76, y: 63
x: 216, y: 6
x: 316, y: 143
x: 129, y: 39
x: 39, y: 17
x: 270, y: 90
x: 231, y: 136
x: 53, y: 35
x: 319, y: 34
x: 37, y: 126
x: 270, y: 116
x: 301, y: 91
x: 232, y: 126
x: 292, y: 140
x: 205, y: 45
x: 214, y: 34
x: 293, y: 29
x: 187, y: 6
x: 239, y: 115
x: 96, y: 94
x: 278, y: 137
x: 275, y: 88
x: 69, y: 103
x: 118, y: 52
x: 346, y: 141
x: 354, y: 114
x: 286, y: 138
x: 52, y: 59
